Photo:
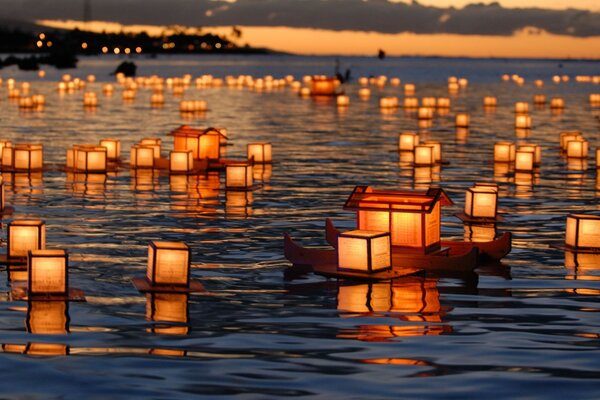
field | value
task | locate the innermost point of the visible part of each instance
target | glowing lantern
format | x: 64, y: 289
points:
x: 408, y: 141
x: 443, y: 102
x: 523, y: 121
x: 453, y: 88
x: 108, y: 89
x: 577, y: 148
x: 411, y: 102
x: 595, y: 99
x: 168, y: 264
x: 395, y: 81
x: 364, y: 93
x: 521, y: 107
x: 425, y: 113
x: 23, y: 157
x: 26, y: 103
x: 239, y: 176
x: 557, y: 103
x: 462, y: 120
x: 388, y: 102
x: 409, y: 89
x: 424, y: 155
x: 157, y: 99
x: 90, y: 99
x: 364, y: 251
x: 25, y: 235
x: 181, y: 161
x: 536, y: 149
x: 259, y: 152
x: 323, y: 86
x: 583, y: 232
x: 539, y: 99
x: 142, y: 156
x: 412, y: 218
x: 566, y: 137
x: 524, y: 161
x: 482, y: 202
x: 47, y: 272
x: 113, y: 148
x: 3, y: 144
x: 342, y: 101
x: 203, y: 143
x: 504, y: 152
x: 430, y: 102
x: 463, y: 83
x: 90, y: 159
x: 490, y: 101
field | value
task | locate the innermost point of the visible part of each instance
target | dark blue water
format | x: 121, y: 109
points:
x: 527, y: 328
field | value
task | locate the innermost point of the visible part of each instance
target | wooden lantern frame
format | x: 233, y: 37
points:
x: 577, y: 218
x: 368, y: 237
x: 154, y: 248
x: 50, y: 254
x: 41, y: 235
x: 189, y: 161
x: 265, y: 151
x: 248, y: 176
x: 85, y: 151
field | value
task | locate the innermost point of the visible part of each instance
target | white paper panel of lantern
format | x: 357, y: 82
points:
x: 364, y: 251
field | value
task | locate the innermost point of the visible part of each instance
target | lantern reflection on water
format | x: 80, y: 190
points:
x: 412, y: 218
x: 582, y: 265
x: 583, y: 232
x: 25, y: 235
x: 47, y: 317
x: 479, y: 232
x: 169, y: 308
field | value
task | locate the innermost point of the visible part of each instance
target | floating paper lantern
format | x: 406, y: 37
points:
x: 25, y: 235
x: 557, y: 103
x: 39, y: 100
x: 463, y: 83
x: 47, y: 272
x: 443, y: 102
x: 453, y: 87
x: 577, y: 148
x: 521, y: 107
x: 395, y: 81
x: 364, y: 251
x: 490, y: 101
x: 157, y: 99
x: 523, y: 121
x: 203, y: 143
x: 3, y: 144
x: 425, y: 113
x: 565, y: 137
x: 424, y: 155
x: 437, y: 150
x: 155, y: 143
x: 363, y: 81
x: 595, y: 99
x: 409, y: 89
x: 91, y: 159
x: 482, y: 202
x: 364, y: 93
x: 388, y: 102
x: 142, y: 156
x: 408, y: 141
x: 23, y: 157
x: 411, y: 103
x: 113, y: 148
x: 536, y: 149
x: 108, y: 89
x: 462, y: 120
x: 583, y: 232
x: 26, y: 103
x: 524, y: 161
x: 412, y: 218
x: 168, y: 264
x: 342, y: 101
x: 239, y: 176
x: 504, y: 152
x: 323, y: 86
x: 259, y: 152
x: 539, y: 99
x: 128, y: 95
x: 90, y: 99
x: 181, y: 161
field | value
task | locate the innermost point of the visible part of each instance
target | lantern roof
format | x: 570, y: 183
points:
x: 365, y: 198
x: 188, y: 131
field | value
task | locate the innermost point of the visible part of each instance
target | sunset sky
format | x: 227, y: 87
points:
x: 508, y: 28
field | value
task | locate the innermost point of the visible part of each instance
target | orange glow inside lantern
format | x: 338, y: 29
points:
x: 408, y: 141
x: 437, y: 150
x: 154, y: 143
x: 577, y: 148
x: 47, y: 317
x: 539, y: 99
x: 25, y: 235
x: 168, y: 307
x: 168, y: 264
x: 443, y: 102
x: 521, y: 107
x: 537, y: 150
x: 411, y: 102
x: 181, y: 161
x: 3, y: 144
x: 364, y: 251
x: 430, y: 102
x: 504, y: 152
x: 490, y: 101
x: 481, y: 202
x: 523, y: 122
x: 142, y: 156
x: 524, y: 160
x: 342, y: 100
x: 239, y: 176
x: 113, y: 148
x: 424, y: 155
x: 583, y: 231
x: 90, y: 159
x: 411, y: 218
x: 323, y: 85
x: 565, y: 137
x: 462, y: 120
x: 47, y: 272
x: 364, y: 93
x: 557, y: 103
x: 409, y: 89
x: 260, y: 152
x: 425, y: 113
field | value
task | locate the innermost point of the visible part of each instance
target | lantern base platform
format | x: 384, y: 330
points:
x: 471, y: 220
x: 13, y: 263
x: 331, y: 271
x: 19, y: 293
x: 8, y: 210
x: 573, y: 250
x: 143, y: 285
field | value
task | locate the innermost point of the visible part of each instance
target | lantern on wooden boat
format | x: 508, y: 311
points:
x: 48, y: 318
x: 113, y: 148
x: 168, y: 264
x: 504, y: 152
x: 25, y: 235
x: 425, y: 113
x: 47, y: 272
x: 239, y: 176
x: 23, y: 157
x: 462, y: 120
x: 342, y: 101
x: 364, y: 251
x: 408, y: 141
x: 437, y: 150
x: 424, y: 155
x: 536, y: 149
x: 409, y: 89
x: 523, y: 121
x: 557, y: 103
x: 565, y: 137
x: 323, y: 86
x: 412, y: 218
x: 577, y: 148
x: 142, y: 156
x: 583, y: 232
x: 539, y: 99
x: 490, y: 101
x: 443, y: 102
x: 524, y: 160
x: 91, y: 159
x: 260, y: 153
x: 168, y: 307
x: 181, y: 161
x: 521, y: 107
x: 482, y: 202
x: 155, y: 143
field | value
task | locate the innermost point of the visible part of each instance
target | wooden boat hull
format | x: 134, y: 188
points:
x: 493, y: 250
x: 318, y: 258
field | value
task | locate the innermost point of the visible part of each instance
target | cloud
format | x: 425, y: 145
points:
x: 358, y: 15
